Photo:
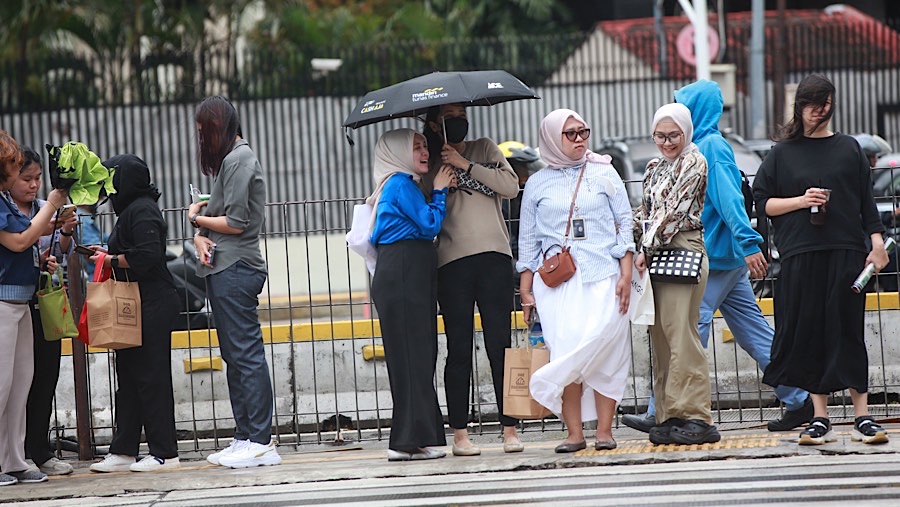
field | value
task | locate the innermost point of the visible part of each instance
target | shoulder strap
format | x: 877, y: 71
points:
x: 572, y: 206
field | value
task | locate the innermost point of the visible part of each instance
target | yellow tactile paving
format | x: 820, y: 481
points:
x: 644, y: 446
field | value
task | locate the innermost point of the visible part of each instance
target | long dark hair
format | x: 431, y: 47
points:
x: 219, y: 125
x: 29, y: 156
x: 434, y: 139
x: 813, y: 90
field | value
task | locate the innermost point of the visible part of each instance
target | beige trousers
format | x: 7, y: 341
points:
x: 680, y: 367
x: 16, y: 372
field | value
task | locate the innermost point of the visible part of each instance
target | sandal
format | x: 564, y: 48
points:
x: 695, y: 431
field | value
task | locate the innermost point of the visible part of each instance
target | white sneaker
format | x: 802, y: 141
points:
x: 53, y: 466
x: 113, y: 463
x: 235, y: 445
x: 152, y: 463
x: 252, y: 455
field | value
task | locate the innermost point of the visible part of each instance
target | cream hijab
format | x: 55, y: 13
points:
x: 393, y: 154
x: 681, y: 115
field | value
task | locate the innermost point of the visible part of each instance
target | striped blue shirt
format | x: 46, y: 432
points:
x: 601, y: 202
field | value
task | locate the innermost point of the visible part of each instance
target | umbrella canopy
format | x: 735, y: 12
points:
x: 415, y: 96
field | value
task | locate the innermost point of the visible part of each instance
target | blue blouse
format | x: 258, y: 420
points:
x: 403, y: 214
x: 18, y: 270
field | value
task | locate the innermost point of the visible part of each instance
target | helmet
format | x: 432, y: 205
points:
x: 873, y: 145
x: 522, y: 157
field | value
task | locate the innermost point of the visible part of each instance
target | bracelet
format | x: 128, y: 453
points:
x: 471, y: 165
x: 66, y: 234
x: 193, y: 220
x: 527, y: 305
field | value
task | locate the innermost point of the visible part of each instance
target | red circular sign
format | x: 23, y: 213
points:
x: 685, y: 44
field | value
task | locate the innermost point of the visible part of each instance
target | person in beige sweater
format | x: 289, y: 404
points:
x: 474, y: 257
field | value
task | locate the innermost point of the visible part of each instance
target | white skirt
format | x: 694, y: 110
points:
x: 588, y: 342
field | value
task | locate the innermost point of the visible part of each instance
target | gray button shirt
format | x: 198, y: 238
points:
x: 239, y: 193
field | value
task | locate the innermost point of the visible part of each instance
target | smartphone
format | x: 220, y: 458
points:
x: 83, y: 250
x: 212, y: 255
x: 66, y: 211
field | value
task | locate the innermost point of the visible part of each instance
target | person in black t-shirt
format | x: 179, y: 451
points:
x: 819, y: 340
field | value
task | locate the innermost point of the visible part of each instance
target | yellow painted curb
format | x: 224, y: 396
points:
x: 203, y: 364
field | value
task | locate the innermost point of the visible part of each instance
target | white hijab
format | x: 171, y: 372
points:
x: 393, y: 154
x: 681, y: 115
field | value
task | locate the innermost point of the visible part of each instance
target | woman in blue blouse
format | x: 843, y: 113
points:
x: 404, y: 289
x: 19, y: 266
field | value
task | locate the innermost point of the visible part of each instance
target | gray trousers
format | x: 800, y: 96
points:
x: 16, y: 372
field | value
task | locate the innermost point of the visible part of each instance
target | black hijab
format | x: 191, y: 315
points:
x: 131, y: 180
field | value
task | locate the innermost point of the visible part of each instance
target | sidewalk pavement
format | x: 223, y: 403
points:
x: 368, y: 460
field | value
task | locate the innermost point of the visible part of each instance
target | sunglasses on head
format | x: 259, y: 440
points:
x: 572, y: 135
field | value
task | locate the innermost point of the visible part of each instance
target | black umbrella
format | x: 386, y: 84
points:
x: 413, y: 97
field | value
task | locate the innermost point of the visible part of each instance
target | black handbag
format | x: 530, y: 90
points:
x: 676, y: 266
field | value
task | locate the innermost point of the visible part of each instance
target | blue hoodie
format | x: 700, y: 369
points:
x: 726, y: 228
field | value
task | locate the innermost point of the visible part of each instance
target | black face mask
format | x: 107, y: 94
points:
x: 456, y: 129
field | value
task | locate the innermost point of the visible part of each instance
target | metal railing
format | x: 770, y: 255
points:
x: 329, y: 382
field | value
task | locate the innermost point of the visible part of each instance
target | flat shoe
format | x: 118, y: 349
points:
x: 567, y: 447
x: 516, y: 446
x: 469, y: 450
x: 605, y: 445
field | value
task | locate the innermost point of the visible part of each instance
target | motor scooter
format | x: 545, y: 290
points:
x: 191, y: 289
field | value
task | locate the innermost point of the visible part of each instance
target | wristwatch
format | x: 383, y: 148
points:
x: 193, y: 219
x: 114, y: 261
x: 66, y: 234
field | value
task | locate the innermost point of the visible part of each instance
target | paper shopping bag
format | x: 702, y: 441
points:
x: 642, y: 310
x: 101, y: 273
x: 518, y: 366
x: 56, y: 313
x: 114, y: 314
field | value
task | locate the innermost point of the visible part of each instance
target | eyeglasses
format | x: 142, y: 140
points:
x: 572, y: 135
x: 660, y: 138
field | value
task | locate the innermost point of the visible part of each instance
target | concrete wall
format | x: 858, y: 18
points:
x: 313, y: 379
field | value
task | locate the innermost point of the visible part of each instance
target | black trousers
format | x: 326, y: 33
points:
x: 144, y: 398
x: 40, y: 397
x: 404, y: 289
x: 484, y: 279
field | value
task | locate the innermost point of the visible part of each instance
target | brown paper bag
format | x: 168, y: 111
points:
x: 518, y: 365
x: 114, y: 314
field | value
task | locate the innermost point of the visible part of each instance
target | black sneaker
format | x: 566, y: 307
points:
x: 817, y: 433
x: 695, y: 431
x: 793, y: 418
x: 662, y: 434
x: 867, y: 431
x: 641, y: 422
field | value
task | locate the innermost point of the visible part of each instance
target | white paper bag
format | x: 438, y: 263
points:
x: 358, y: 237
x: 641, y: 309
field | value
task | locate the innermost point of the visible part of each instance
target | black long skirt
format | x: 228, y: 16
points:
x: 819, y: 340
x: 404, y: 289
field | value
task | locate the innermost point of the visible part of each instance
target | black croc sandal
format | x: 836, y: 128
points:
x: 695, y: 432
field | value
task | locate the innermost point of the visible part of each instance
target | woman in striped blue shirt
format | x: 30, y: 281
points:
x: 585, y: 319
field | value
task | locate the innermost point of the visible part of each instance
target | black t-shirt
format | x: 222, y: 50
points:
x: 836, y: 162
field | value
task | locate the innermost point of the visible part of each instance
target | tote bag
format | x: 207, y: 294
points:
x: 358, y: 237
x: 642, y: 310
x: 56, y: 313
